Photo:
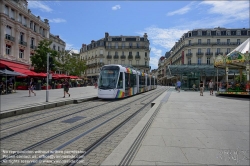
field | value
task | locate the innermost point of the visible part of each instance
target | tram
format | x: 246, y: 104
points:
x: 118, y: 81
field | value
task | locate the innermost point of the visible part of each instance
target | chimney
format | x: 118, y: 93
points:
x: 145, y: 35
x: 106, y: 34
x: 46, y: 21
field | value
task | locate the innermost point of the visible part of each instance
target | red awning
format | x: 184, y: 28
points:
x: 74, y: 77
x: 21, y: 68
x: 59, y: 76
x: 25, y: 71
x: 13, y: 64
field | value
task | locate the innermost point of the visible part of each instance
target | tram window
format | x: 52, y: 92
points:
x: 120, y: 81
x: 108, y: 79
x: 148, y: 81
x: 141, y: 81
x: 133, y: 80
x: 152, y: 81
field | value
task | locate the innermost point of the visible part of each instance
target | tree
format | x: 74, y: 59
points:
x: 70, y: 63
x: 62, y: 60
x: 77, y: 66
x: 39, y: 59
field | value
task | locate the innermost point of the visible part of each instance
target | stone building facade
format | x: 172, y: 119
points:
x: 125, y: 50
x: 196, y: 50
x: 21, y: 32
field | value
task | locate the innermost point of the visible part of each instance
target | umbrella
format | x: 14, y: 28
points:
x: 10, y: 73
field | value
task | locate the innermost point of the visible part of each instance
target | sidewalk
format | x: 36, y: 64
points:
x: 21, y: 99
x: 189, y: 129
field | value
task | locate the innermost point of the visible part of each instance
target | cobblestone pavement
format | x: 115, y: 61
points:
x: 82, y: 113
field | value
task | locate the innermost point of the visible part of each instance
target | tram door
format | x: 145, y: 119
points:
x: 127, y: 84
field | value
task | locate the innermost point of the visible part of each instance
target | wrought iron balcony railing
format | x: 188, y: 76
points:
x: 23, y: 43
x: 9, y: 37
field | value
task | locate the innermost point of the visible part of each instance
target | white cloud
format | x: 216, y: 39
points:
x: 161, y: 41
x: 157, y: 53
x: 70, y: 47
x: 237, y: 10
x: 165, y: 38
x: 116, y: 7
x: 39, y: 5
x: 180, y: 11
x: 57, y: 20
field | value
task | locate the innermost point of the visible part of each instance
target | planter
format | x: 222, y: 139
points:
x: 58, y: 86
x: 22, y: 87
x: 38, y: 86
x: 44, y: 87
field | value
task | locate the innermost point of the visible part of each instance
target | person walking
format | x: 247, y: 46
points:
x: 31, y: 87
x: 66, y: 87
x: 178, y: 84
x: 211, y: 87
x: 201, y: 88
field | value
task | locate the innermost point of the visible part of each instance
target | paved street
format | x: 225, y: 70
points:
x: 188, y: 129
x: 74, y: 127
x: 21, y: 98
x: 191, y: 129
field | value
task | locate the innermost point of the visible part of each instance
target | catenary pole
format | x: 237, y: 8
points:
x: 47, y: 85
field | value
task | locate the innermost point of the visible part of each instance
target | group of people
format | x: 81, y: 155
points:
x: 65, y: 89
x: 9, y: 88
x: 201, y: 85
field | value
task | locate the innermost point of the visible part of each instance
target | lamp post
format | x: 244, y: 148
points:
x: 47, y: 92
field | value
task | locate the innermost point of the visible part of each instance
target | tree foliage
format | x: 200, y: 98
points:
x: 39, y: 59
x: 70, y: 63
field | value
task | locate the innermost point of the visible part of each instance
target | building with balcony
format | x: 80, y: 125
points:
x: 21, y: 31
x: 125, y: 50
x: 57, y: 43
x: 192, y: 57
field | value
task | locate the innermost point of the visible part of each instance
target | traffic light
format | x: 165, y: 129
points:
x: 51, y: 63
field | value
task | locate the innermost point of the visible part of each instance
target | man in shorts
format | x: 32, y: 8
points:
x: 211, y: 87
x: 178, y: 84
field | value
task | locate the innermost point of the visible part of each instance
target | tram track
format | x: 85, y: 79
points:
x: 32, y: 127
x: 75, y: 127
x: 91, y: 147
x: 58, y: 112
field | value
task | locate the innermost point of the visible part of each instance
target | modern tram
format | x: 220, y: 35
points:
x: 118, y: 81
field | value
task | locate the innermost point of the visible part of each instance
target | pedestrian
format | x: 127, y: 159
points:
x: 95, y: 84
x: 66, y: 87
x: 194, y: 87
x: 31, y: 87
x: 178, y: 84
x: 201, y: 88
x: 211, y: 87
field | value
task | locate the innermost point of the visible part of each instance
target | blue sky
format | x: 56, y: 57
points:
x: 79, y: 22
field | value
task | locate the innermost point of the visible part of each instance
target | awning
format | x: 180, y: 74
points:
x: 13, y: 64
x: 21, y: 68
x: 59, y: 76
x: 74, y: 77
x: 25, y: 71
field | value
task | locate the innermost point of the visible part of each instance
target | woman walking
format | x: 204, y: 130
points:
x: 201, y: 88
x: 66, y: 88
x: 31, y: 87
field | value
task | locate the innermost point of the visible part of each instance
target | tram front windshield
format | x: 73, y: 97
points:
x: 108, y: 77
